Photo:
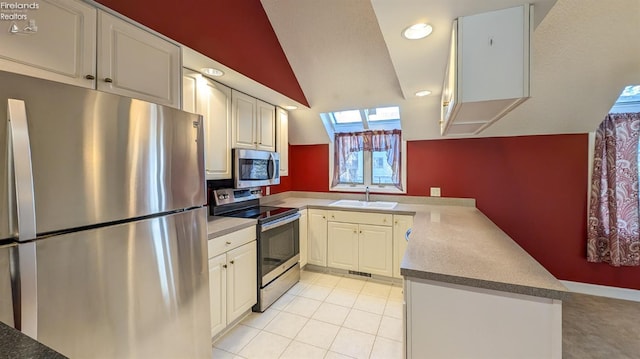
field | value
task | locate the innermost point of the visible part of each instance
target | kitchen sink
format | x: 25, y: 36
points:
x: 363, y: 204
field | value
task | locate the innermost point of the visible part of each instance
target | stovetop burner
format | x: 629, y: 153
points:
x: 261, y: 213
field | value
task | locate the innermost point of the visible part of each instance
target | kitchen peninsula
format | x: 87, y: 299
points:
x: 470, y: 290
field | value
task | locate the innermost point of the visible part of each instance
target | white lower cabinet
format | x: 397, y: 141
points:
x: 317, y: 237
x: 375, y: 250
x: 401, y: 224
x: 360, y: 241
x: 232, y: 277
x: 218, y: 293
x: 342, y: 245
x: 241, y: 280
x: 360, y: 247
x: 303, y: 237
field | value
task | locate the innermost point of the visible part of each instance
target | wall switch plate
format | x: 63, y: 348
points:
x: 435, y: 191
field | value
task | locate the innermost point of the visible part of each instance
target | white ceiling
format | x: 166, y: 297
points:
x: 349, y: 54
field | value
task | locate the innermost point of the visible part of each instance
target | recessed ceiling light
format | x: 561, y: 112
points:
x: 212, y: 72
x: 423, y: 93
x: 290, y: 107
x: 417, y: 31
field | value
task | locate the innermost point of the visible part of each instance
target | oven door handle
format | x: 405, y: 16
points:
x: 280, y: 222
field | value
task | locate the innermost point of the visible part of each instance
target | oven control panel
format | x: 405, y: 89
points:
x: 231, y: 195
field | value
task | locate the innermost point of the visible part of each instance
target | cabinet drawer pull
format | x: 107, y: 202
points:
x: 231, y: 262
x: 354, y: 232
x: 224, y: 266
x: 360, y: 232
x: 108, y: 79
x: 90, y: 77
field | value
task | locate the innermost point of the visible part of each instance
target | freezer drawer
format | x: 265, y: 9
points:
x: 131, y: 290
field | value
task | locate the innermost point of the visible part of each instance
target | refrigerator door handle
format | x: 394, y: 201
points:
x: 20, y: 157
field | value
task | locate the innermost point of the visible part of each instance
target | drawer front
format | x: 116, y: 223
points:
x: 380, y: 219
x: 230, y: 241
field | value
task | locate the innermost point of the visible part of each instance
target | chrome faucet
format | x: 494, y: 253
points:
x: 366, y: 194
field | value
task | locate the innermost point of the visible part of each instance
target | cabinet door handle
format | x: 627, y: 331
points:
x: 396, y: 222
x: 231, y: 262
x: 323, y: 217
x: 108, y: 79
x: 360, y: 232
x: 354, y: 232
x: 90, y: 77
x: 224, y: 266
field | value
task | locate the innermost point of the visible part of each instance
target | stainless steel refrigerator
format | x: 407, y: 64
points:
x: 102, y: 222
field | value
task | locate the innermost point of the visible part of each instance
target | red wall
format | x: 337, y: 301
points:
x: 534, y: 188
x: 235, y: 33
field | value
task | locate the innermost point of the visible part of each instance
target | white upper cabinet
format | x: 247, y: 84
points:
x: 282, y: 137
x: 254, y: 123
x: 266, y: 126
x: 213, y: 101
x: 488, y: 70
x: 72, y: 42
x: 133, y: 62
x: 244, y: 120
x: 61, y: 48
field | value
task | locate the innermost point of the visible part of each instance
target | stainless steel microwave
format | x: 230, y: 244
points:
x: 253, y: 168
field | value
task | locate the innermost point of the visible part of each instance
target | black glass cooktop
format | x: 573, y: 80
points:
x: 262, y: 213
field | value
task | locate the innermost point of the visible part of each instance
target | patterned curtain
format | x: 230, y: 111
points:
x: 389, y: 141
x: 614, y: 210
x: 345, y: 143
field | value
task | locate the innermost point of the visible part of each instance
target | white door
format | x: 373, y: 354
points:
x: 59, y: 44
x: 342, y: 245
x: 303, y: 237
x: 133, y: 62
x: 376, y: 250
x: 218, y: 293
x: 244, y: 120
x: 242, y: 282
x: 266, y: 126
x: 401, y: 224
x: 317, y: 241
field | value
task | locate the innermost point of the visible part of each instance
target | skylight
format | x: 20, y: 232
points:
x: 629, y: 100
x: 378, y: 118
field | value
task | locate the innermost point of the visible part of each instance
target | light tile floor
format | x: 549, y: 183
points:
x: 323, y: 316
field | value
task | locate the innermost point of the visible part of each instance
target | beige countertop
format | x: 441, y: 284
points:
x: 219, y: 226
x: 451, y: 241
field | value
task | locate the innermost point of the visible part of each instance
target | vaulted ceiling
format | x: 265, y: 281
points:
x: 342, y: 54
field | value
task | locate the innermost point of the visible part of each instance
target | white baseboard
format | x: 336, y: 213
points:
x: 603, y: 290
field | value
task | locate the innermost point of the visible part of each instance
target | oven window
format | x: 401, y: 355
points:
x: 278, y: 245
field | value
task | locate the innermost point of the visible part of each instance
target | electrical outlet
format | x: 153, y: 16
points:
x: 435, y: 191
x: 268, y: 190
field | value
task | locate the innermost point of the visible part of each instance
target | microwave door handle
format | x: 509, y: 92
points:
x: 271, y: 166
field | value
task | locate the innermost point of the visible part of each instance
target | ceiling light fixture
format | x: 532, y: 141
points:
x: 417, y: 31
x: 423, y: 93
x: 289, y: 108
x: 212, y: 72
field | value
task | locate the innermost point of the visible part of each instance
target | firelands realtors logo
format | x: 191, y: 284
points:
x: 19, y: 14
